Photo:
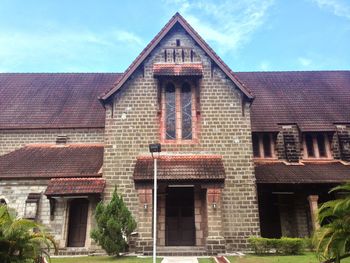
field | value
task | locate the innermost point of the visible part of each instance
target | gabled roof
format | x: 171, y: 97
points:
x: 52, y: 161
x: 177, y: 18
x: 53, y: 100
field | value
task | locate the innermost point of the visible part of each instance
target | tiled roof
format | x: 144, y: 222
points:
x: 312, y: 99
x: 49, y: 161
x: 183, y: 69
x: 75, y: 186
x: 181, y: 167
x: 176, y: 19
x: 281, y: 173
x: 53, y: 100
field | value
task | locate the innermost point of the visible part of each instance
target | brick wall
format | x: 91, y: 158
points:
x: 11, y: 140
x: 132, y: 122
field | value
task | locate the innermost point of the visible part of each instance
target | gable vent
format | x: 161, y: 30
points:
x: 62, y: 139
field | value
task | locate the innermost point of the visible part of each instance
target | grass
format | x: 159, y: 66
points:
x: 306, y: 258
x: 95, y: 259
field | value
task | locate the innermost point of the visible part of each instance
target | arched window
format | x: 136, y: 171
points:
x: 170, y: 112
x: 186, y: 111
x: 178, y: 111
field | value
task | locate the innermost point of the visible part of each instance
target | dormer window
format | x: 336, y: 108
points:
x: 316, y: 145
x: 178, y: 112
x: 264, y: 145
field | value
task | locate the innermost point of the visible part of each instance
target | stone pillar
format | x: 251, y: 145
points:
x: 215, y: 242
x: 144, y: 224
x: 314, y: 211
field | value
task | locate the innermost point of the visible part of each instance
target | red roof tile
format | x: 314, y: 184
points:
x: 183, y: 69
x: 53, y: 100
x: 48, y: 161
x: 181, y: 167
x: 280, y: 173
x: 312, y: 99
x: 75, y: 186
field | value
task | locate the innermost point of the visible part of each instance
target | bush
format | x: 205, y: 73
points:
x: 284, y: 245
x: 18, y: 240
x: 114, y: 225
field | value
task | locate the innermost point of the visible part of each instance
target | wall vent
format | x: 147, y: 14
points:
x: 61, y: 139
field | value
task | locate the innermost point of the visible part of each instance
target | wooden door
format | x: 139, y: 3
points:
x: 180, y: 228
x: 78, y: 212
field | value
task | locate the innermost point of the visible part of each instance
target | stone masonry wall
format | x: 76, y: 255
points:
x: 132, y: 122
x: 11, y: 140
x: 15, y: 192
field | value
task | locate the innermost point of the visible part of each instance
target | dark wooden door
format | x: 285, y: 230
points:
x: 78, y: 212
x: 180, y: 228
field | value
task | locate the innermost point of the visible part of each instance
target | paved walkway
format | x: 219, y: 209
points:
x: 179, y: 260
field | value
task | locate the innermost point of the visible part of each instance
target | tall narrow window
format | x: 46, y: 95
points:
x: 321, y: 145
x: 267, y: 145
x: 256, y: 149
x: 309, y: 145
x: 170, y: 114
x: 263, y: 145
x: 316, y: 145
x: 186, y: 111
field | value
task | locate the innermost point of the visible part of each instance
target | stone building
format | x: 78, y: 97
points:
x: 243, y: 154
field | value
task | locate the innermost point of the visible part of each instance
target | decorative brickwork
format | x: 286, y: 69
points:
x: 291, y: 143
x: 343, y: 133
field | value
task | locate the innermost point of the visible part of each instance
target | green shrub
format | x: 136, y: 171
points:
x: 284, y: 245
x: 114, y: 225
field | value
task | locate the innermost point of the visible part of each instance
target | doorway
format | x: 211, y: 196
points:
x: 180, y: 227
x: 78, y: 213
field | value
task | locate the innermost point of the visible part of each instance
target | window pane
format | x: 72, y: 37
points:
x: 256, y: 151
x: 170, y: 115
x: 321, y: 145
x: 309, y: 145
x: 267, y: 145
x: 186, y: 111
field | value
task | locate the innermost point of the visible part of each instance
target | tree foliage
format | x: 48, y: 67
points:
x: 114, y: 225
x: 22, y: 240
x: 332, y: 240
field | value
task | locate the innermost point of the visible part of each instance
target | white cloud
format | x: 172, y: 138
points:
x: 337, y: 7
x: 225, y: 23
x: 264, y: 66
x: 305, y: 62
x: 62, y: 48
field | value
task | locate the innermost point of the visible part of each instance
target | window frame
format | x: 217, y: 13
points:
x: 327, y: 145
x: 178, y: 83
x: 261, y: 147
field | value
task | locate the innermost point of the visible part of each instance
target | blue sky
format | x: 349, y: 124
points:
x: 106, y: 35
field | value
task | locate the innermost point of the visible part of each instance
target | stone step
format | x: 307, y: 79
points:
x: 181, y: 251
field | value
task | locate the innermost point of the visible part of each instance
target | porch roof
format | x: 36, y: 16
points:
x: 181, y: 168
x: 183, y: 69
x: 303, y: 173
x: 75, y: 186
x: 52, y: 161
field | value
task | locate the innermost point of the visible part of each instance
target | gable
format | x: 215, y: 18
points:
x: 176, y: 20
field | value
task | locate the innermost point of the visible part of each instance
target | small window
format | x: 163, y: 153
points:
x: 316, y: 145
x: 178, y: 43
x: 263, y: 145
